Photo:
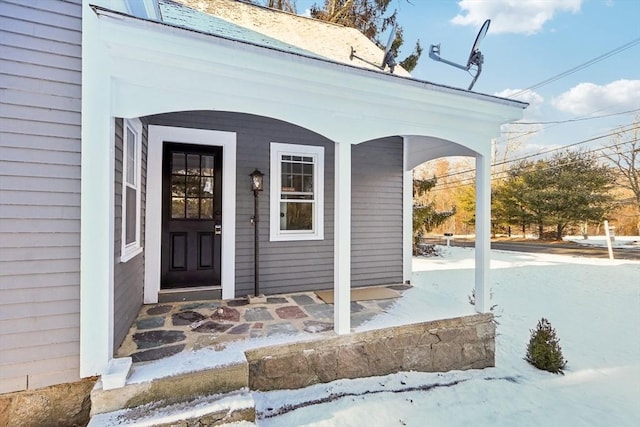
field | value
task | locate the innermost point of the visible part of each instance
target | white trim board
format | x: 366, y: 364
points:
x: 277, y: 150
x: 153, y: 228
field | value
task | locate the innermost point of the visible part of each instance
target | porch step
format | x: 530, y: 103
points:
x: 208, y: 410
x: 190, y: 294
x: 147, y: 394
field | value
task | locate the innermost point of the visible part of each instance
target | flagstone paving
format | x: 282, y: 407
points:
x: 162, y: 330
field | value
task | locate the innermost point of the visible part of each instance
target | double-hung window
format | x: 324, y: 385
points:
x: 297, y: 192
x: 131, y: 189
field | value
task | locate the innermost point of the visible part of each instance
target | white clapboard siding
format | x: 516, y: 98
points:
x: 40, y: 77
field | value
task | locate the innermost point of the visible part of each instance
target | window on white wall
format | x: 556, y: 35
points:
x: 297, y: 192
x: 131, y: 189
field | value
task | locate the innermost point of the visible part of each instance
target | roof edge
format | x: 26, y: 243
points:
x: 436, y: 87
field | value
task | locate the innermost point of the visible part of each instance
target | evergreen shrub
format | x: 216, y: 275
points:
x: 544, y: 351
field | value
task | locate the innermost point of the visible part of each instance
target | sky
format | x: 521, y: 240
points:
x: 591, y: 303
x: 528, y: 42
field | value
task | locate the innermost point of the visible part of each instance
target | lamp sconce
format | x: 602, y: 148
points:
x: 257, y: 180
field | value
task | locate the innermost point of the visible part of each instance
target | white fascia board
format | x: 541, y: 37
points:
x: 159, y: 68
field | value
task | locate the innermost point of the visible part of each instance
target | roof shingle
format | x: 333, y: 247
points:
x: 274, y: 28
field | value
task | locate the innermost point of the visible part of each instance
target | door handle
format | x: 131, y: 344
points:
x: 217, y: 229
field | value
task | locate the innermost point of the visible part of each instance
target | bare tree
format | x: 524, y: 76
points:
x: 625, y: 156
x: 285, y: 5
x: 371, y: 18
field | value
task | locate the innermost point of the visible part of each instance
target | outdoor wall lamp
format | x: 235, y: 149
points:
x: 256, y: 186
x: 256, y: 180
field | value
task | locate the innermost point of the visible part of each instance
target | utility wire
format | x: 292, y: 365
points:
x: 524, y: 133
x: 547, y: 151
x: 579, y: 67
x: 496, y: 175
x: 578, y: 119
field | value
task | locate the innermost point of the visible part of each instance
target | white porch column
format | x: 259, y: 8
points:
x: 483, y: 231
x: 407, y: 219
x: 342, y: 240
x: 97, y: 205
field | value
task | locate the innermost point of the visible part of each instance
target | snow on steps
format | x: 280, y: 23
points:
x: 203, y: 411
x: 175, y: 397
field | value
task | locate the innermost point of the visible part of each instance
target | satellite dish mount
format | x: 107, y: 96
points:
x: 474, y: 63
x: 389, y: 58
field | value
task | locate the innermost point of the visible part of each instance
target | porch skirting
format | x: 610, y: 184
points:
x: 437, y: 346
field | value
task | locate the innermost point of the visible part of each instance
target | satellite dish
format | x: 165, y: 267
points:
x: 388, y: 60
x: 475, y: 57
x: 389, y: 56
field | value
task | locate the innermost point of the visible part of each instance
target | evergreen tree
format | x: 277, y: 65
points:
x: 371, y: 18
x: 569, y: 188
x: 425, y: 215
x: 544, y: 351
x: 368, y: 16
x: 506, y: 211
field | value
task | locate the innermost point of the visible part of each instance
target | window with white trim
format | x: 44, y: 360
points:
x: 297, y: 192
x: 131, y: 189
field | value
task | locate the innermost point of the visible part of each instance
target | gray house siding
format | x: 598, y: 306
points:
x: 284, y: 266
x: 128, y: 277
x: 308, y: 265
x: 40, y: 63
x: 376, y: 210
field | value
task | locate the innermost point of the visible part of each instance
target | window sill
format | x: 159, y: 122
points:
x: 130, y: 253
x: 295, y: 237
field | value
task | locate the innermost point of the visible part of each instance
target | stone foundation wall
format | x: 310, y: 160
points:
x: 58, y: 405
x: 438, y: 346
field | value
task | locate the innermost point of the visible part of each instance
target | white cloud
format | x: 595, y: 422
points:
x: 513, y: 16
x: 534, y: 99
x: 589, y: 98
x: 529, y: 96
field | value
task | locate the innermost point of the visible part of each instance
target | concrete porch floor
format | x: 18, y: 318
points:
x: 162, y: 330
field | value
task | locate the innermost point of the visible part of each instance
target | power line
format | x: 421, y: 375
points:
x: 579, y: 67
x: 496, y: 175
x: 550, y: 150
x: 523, y: 134
x: 579, y: 119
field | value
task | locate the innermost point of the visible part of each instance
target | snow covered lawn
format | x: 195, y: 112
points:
x: 593, y: 304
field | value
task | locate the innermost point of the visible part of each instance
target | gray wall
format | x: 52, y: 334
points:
x: 376, y: 209
x: 128, y: 277
x: 285, y: 266
x: 40, y: 63
x: 302, y: 266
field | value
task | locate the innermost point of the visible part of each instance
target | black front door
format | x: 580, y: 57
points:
x: 191, y: 215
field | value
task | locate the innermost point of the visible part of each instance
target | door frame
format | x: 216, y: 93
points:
x: 153, y: 215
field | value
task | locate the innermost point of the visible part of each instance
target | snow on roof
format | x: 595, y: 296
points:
x: 323, y: 39
x: 180, y: 15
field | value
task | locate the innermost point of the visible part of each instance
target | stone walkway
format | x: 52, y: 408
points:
x: 162, y: 330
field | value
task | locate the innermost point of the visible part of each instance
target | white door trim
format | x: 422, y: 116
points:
x: 153, y: 216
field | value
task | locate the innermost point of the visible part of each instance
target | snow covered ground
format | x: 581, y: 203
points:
x: 594, y: 305
x: 622, y: 242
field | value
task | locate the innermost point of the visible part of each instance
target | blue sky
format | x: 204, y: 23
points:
x: 528, y: 42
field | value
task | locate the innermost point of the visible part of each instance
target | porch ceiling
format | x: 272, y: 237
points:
x: 156, y: 68
x: 420, y: 149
